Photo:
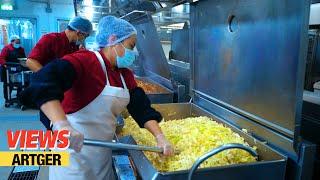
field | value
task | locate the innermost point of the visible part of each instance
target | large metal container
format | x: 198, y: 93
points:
x: 247, y: 64
x: 271, y: 164
x: 157, y: 97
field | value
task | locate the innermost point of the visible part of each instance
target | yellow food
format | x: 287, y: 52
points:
x: 150, y: 88
x: 193, y: 137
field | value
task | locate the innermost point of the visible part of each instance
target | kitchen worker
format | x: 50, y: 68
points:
x: 99, y: 86
x: 56, y: 45
x: 10, y: 53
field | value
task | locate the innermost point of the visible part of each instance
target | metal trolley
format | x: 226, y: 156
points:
x: 17, y: 78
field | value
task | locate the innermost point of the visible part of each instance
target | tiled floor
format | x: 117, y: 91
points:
x: 13, y: 118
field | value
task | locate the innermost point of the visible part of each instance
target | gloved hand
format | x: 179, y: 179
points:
x: 162, y: 142
x: 76, y: 138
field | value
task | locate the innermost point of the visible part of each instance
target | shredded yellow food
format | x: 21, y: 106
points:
x: 193, y: 137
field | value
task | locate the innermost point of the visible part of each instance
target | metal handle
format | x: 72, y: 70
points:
x: 217, y: 150
x: 114, y: 145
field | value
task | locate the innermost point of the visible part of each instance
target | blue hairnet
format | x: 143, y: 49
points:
x: 110, y: 25
x: 81, y: 24
x: 14, y: 37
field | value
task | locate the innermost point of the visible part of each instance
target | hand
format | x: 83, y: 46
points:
x: 76, y: 138
x: 162, y: 142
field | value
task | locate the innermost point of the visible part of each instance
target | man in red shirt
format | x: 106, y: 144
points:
x: 10, y: 53
x: 56, y: 45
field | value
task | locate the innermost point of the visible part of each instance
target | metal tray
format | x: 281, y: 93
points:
x: 158, y: 98
x: 20, y: 77
x: 271, y: 164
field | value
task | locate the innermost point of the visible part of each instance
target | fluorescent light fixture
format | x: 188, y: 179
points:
x: 3, y: 22
x: 6, y: 7
x: 163, y: 4
x: 176, y: 25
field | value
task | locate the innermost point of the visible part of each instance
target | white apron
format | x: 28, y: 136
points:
x: 96, y: 121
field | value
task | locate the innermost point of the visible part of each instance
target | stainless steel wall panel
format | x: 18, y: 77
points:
x: 249, y: 54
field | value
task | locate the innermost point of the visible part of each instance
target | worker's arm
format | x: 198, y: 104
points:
x: 46, y: 90
x: 33, y: 65
x: 53, y: 110
x: 147, y: 117
x: 153, y: 127
x: 140, y: 107
x: 162, y: 141
x: 39, y: 53
x: 49, y: 84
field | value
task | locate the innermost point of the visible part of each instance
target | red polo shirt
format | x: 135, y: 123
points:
x: 5, y: 53
x: 90, y: 79
x: 52, y: 46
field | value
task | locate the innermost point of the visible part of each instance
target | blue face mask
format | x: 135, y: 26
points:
x: 16, y: 45
x: 127, y: 59
x: 78, y: 42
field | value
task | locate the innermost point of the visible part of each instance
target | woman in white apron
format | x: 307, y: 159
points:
x: 97, y: 87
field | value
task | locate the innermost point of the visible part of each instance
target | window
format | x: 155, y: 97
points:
x: 23, y: 27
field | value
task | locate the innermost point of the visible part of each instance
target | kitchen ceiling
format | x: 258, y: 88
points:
x: 165, y: 17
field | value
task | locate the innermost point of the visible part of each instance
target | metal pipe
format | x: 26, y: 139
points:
x: 216, y: 151
x: 110, y: 5
x: 98, y: 7
x: 115, y: 146
x: 8, y: 87
x: 133, y: 12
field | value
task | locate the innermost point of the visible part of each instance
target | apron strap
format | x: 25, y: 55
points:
x: 103, y: 65
x: 123, y: 82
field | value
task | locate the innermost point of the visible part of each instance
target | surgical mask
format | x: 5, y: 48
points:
x: 78, y: 42
x: 16, y: 45
x: 127, y: 59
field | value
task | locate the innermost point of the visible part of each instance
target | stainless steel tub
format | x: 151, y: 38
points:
x: 158, y: 98
x: 271, y: 164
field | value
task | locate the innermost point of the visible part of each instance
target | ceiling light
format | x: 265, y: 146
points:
x: 6, y: 7
x: 88, y: 11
